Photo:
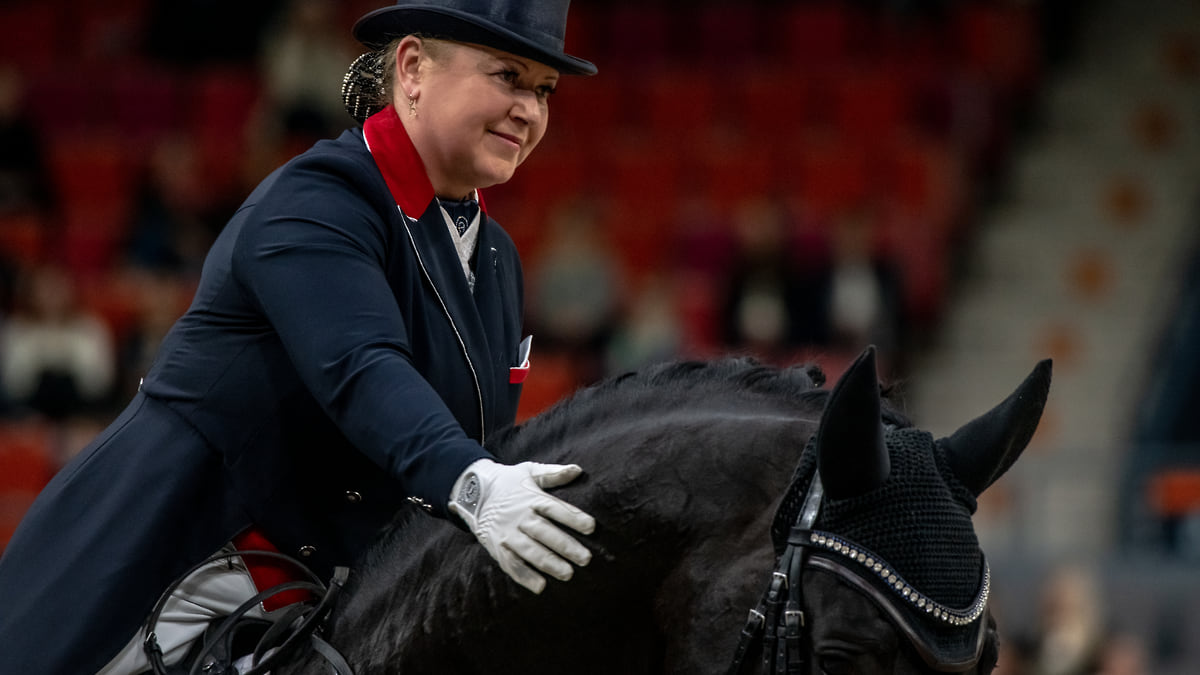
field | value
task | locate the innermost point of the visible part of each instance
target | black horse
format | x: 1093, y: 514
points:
x: 701, y: 477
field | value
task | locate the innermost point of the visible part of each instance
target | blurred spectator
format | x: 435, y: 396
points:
x: 1070, y: 633
x: 25, y: 185
x: 865, y: 294
x: 173, y: 223
x: 773, y: 305
x: 56, y: 359
x: 650, y: 332
x: 1124, y: 654
x: 162, y: 298
x: 303, y: 59
x: 703, y: 243
x: 576, y: 288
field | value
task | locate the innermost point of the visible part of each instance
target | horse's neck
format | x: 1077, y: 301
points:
x: 660, y: 486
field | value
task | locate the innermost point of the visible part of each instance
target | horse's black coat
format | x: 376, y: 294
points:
x: 685, y: 466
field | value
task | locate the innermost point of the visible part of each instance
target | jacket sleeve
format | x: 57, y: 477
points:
x: 313, y: 262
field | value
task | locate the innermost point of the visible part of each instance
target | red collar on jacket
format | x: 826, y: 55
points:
x: 398, y: 161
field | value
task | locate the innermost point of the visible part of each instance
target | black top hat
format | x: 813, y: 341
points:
x: 530, y: 28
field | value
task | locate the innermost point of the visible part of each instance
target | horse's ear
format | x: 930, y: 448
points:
x: 850, y: 450
x: 984, y: 448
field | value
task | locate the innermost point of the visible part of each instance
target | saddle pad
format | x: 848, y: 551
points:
x: 267, y: 573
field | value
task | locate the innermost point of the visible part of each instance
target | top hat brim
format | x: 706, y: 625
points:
x: 381, y: 26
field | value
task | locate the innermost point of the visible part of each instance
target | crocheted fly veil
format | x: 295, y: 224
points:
x: 897, y: 506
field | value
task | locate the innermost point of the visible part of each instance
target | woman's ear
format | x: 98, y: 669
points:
x: 409, y: 53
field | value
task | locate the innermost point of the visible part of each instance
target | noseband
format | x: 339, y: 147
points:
x: 777, y: 625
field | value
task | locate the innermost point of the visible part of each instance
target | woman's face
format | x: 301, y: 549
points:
x: 480, y: 112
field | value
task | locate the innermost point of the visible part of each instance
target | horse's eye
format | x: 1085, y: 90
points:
x: 835, y: 665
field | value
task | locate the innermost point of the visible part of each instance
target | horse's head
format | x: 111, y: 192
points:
x: 887, y: 511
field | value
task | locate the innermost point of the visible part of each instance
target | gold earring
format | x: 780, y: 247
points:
x: 412, y: 107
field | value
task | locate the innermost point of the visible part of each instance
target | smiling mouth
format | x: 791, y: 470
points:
x: 516, y: 142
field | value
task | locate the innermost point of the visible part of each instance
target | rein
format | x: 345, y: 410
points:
x: 301, y: 623
x: 776, y: 625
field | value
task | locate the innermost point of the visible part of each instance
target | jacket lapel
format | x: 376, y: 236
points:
x: 405, y: 175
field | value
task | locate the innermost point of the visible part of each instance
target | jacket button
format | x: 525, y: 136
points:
x: 353, y: 497
x: 307, y: 551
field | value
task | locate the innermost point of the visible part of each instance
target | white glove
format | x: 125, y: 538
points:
x: 509, y: 513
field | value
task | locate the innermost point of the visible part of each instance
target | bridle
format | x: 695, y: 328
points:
x: 302, y: 622
x: 777, y: 625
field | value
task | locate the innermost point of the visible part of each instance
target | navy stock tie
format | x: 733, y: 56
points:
x: 462, y: 212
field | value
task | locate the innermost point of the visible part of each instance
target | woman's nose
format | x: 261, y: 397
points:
x: 527, y: 107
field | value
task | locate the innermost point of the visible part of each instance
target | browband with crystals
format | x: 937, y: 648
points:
x: 873, y: 564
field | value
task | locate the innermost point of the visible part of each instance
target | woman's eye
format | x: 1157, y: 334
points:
x: 509, y: 76
x: 545, y: 92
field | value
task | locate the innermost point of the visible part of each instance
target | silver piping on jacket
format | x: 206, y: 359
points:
x: 446, y: 310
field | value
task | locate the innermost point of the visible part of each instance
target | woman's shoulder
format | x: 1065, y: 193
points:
x: 345, y: 155
x: 331, y: 171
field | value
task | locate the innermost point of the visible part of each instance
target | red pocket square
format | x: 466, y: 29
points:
x: 518, y: 375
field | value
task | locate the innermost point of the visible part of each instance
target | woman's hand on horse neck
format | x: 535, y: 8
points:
x: 513, y: 517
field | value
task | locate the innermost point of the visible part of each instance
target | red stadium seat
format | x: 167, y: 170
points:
x: 223, y: 101
x: 730, y: 173
x: 585, y: 110
x: 872, y: 104
x: 1175, y: 492
x: 1000, y: 41
x: 586, y: 36
x: 72, y: 104
x: 726, y: 34
x: 30, y: 29
x: 640, y: 232
x: 22, y: 237
x: 91, y: 238
x: 639, y: 34
x: 828, y: 174
x: 779, y: 103
x: 926, y: 179
x: 146, y: 102
x: 92, y: 170
x: 13, y: 505
x: 678, y: 103
x: 826, y: 33
x: 637, y: 169
x: 26, y: 457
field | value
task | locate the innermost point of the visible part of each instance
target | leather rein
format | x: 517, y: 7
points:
x: 301, y: 623
x: 778, y: 622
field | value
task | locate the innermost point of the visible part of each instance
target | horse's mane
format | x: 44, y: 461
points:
x: 673, y: 385
x: 665, y: 386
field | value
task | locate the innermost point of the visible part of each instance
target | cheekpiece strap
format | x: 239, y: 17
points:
x: 776, y: 626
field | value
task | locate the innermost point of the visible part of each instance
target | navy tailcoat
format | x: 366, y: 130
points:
x: 333, y: 363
